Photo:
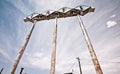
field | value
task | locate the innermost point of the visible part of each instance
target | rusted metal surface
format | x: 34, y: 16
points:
x: 53, y: 57
x: 79, y: 65
x: 16, y: 62
x: 61, y: 13
x: 21, y: 70
x: 90, y: 47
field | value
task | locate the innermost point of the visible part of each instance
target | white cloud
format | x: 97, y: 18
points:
x: 37, y: 59
x: 112, y: 16
x: 20, y: 5
x: 43, y: 5
x: 111, y: 23
x: 4, y: 54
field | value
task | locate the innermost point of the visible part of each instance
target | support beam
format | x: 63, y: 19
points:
x: 16, y: 62
x: 21, y: 70
x: 53, y: 57
x: 90, y: 47
x: 79, y: 65
x: 1, y: 71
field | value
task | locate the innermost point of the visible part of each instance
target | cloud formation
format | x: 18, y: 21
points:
x: 113, y: 16
x: 111, y: 23
x: 6, y: 55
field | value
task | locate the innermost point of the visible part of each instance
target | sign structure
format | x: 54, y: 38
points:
x: 64, y: 12
x: 61, y: 13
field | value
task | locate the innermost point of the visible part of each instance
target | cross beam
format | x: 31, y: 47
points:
x: 61, y: 13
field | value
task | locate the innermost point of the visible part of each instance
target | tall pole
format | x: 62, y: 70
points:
x: 53, y: 57
x: 79, y: 65
x: 16, y: 62
x: 21, y: 70
x: 90, y: 47
x: 1, y: 71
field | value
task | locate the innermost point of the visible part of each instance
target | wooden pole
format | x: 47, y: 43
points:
x: 90, y: 47
x: 53, y: 57
x: 1, y: 71
x: 16, y: 62
x: 79, y: 65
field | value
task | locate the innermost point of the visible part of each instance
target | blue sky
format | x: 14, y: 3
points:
x: 102, y: 26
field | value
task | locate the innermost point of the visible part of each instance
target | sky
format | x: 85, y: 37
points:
x: 103, y: 27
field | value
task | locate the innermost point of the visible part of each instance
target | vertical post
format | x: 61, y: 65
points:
x: 1, y: 71
x: 21, y: 70
x: 90, y: 47
x: 79, y: 65
x: 53, y: 57
x: 16, y: 62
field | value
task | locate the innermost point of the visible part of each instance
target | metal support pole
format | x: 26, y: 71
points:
x: 53, y: 57
x: 21, y: 70
x: 16, y: 62
x: 1, y: 71
x: 79, y: 65
x: 90, y: 47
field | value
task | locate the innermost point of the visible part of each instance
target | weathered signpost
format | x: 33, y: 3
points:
x: 61, y: 13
